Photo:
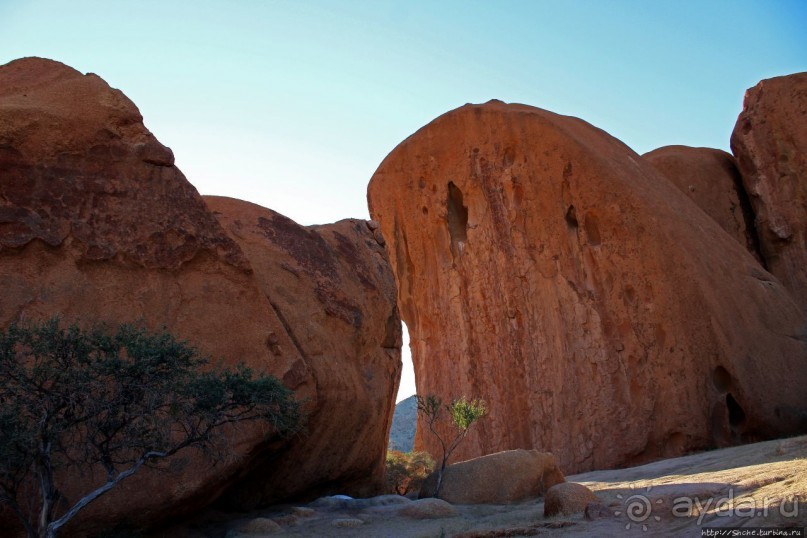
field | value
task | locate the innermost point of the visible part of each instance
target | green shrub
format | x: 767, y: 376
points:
x: 116, y: 400
x: 406, y: 471
x: 462, y: 414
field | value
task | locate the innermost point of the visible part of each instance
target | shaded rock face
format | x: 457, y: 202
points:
x: 709, y: 177
x: 334, y: 291
x: 98, y: 225
x: 769, y: 142
x: 547, y: 268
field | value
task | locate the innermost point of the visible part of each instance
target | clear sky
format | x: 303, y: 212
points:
x: 293, y: 104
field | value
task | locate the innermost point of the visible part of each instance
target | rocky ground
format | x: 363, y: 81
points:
x: 763, y: 484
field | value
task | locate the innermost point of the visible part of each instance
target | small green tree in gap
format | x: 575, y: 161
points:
x: 121, y: 399
x: 462, y: 414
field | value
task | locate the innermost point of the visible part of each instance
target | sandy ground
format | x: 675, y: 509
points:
x: 764, y: 484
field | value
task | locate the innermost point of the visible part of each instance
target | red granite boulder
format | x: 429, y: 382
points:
x: 769, y: 142
x: 547, y: 268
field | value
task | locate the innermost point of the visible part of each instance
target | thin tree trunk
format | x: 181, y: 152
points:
x: 54, y: 527
x: 47, y: 490
x: 439, y: 483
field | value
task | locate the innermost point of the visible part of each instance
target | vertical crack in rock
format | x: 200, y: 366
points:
x: 405, y: 269
x: 393, y: 337
x: 289, y: 330
x: 457, y: 219
x: 749, y: 218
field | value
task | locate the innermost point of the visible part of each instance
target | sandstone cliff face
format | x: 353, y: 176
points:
x: 709, y: 177
x: 98, y: 225
x: 770, y: 144
x: 333, y: 288
x: 546, y: 267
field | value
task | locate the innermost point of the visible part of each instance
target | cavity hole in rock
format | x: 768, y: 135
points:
x: 457, y: 217
x: 736, y: 413
x: 571, y: 217
x: 721, y: 379
x: 509, y: 157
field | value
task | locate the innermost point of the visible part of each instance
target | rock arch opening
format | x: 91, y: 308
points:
x: 404, y: 419
x: 406, y: 387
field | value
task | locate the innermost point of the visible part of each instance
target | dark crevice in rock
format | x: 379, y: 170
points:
x: 393, y: 337
x: 736, y: 414
x: 749, y: 217
x: 288, y: 329
x: 457, y: 219
x: 571, y: 218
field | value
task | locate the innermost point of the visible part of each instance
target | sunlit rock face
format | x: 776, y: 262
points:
x: 709, y: 177
x: 770, y: 144
x: 97, y: 225
x: 545, y: 267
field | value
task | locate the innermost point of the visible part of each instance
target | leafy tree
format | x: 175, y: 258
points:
x: 406, y: 471
x: 462, y: 414
x: 116, y: 400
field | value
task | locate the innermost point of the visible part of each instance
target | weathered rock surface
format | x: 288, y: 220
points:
x: 501, y: 478
x: 97, y: 224
x: 567, y: 499
x: 333, y: 289
x: 258, y: 526
x: 770, y: 144
x: 709, y: 177
x: 428, y: 509
x: 547, y: 268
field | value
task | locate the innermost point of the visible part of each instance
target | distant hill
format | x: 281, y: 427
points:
x: 402, y: 432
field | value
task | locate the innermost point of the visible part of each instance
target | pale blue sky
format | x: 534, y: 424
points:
x: 293, y: 104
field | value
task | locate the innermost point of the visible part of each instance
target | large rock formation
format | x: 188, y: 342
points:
x: 709, y: 177
x: 547, y: 268
x: 334, y: 291
x: 770, y: 144
x: 501, y: 478
x: 97, y: 224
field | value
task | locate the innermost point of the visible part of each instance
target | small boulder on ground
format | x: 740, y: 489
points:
x: 346, y: 522
x: 257, y: 526
x: 428, y: 509
x: 567, y: 499
x: 500, y: 478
